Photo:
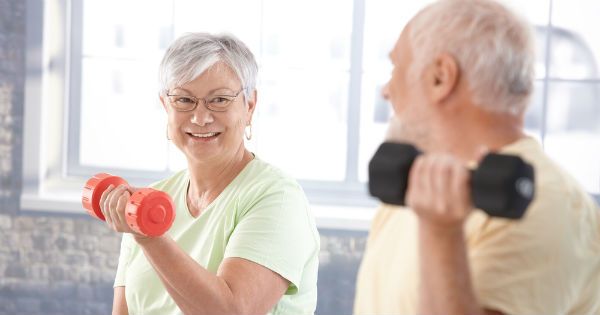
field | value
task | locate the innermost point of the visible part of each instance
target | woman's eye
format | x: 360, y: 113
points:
x: 218, y: 100
x: 185, y: 100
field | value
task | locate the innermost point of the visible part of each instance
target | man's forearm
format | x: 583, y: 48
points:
x: 444, y: 276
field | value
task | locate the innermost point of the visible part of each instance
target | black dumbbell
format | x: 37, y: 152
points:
x: 502, y: 185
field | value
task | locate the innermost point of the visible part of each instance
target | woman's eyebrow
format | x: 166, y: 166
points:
x: 209, y: 92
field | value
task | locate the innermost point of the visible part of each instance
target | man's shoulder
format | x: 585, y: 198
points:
x: 550, y: 177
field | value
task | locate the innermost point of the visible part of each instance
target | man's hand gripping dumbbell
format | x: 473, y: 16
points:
x: 502, y: 185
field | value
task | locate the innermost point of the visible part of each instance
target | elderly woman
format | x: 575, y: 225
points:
x: 243, y: 240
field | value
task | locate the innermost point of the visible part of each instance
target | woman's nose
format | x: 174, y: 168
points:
x: 201, y: 115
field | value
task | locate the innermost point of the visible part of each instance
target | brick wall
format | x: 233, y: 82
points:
x: 65, y: 264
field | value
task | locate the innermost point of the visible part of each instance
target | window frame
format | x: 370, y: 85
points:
x: 52, y: 175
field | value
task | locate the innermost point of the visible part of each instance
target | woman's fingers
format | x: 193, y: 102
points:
x: 121, y: 215
x: 103, y: 198
x: 113, y: 208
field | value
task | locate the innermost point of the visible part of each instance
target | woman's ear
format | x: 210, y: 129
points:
x: 252, y: 103
x: 162, y: 101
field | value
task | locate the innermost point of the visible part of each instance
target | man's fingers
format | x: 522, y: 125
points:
x: 482, y: 151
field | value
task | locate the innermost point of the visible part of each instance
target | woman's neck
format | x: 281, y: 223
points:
x: 209, y: 179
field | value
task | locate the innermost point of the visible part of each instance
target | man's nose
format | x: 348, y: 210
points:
x: 385, y: 91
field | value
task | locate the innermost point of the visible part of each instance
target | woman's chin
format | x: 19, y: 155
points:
x: 203, y: 153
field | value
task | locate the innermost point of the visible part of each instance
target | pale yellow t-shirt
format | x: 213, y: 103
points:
x: 546, y: 263
x: 262, y: 216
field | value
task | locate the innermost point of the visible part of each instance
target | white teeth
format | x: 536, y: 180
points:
x: 204, y: 135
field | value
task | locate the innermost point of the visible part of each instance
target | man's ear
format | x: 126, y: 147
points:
x: 443, y: 78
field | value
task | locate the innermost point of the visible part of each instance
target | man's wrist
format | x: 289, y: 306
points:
x: 437, y: 230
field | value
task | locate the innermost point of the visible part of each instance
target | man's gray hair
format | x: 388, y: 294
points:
x: 493, y: 46
x: 193, y: 53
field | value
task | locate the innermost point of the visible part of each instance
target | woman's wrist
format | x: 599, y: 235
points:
x: 143, y: 239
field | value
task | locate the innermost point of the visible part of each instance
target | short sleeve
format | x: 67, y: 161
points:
x: 527, y: 267
x: 277, y: 232
x: 124, y: 258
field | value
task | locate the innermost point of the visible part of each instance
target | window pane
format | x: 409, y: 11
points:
x: 573, y: 130
x: 307, y: 34
x: 301, y: 123
x: 115, y: 28
x: 374, y: 115
x: 536, y: 13
x: 535, y: 111
x: 303, y: 79
x: 383, y: 23
x: 575, y: 41
x: 238, y: 17
x: 122, y: 124
x: 385, y: 20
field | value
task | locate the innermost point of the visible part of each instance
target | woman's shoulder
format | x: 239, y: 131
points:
x: 171, y: 183
x: 271, y: 188
x: 262, y: 173
x: 261, y: 180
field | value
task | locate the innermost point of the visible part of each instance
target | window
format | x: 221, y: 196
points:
x: 303, y: 84
x: 92, y: 84
x: 564, y: 113
x: 572, y: 131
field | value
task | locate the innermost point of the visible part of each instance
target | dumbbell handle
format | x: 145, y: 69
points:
x: 148, y: 211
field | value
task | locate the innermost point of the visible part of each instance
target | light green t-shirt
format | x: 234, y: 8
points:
x: 262, y: 216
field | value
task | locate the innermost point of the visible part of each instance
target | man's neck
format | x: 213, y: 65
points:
x: 466, y: 138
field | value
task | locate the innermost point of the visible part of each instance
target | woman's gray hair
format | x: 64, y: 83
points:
x: 193, y: 53
x: 492, y: 45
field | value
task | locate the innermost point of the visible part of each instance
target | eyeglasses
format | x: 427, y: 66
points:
x: 216, y: 102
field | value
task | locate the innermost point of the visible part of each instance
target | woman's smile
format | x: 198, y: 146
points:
x: 203, y: 137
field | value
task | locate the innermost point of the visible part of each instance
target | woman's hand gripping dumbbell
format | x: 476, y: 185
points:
x: 147, y: 211
x: 502, y: 185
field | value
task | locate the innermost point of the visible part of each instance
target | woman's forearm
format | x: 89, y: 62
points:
x: 119, y: 302
x: 194, y: 289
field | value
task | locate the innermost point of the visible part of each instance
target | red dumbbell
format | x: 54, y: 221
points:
x: 148, y: 211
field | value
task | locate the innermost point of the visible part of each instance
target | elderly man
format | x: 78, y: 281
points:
x: 463, y: 75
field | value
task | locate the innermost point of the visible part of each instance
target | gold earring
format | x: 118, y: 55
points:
x: 247, y: 133
x: 168, y: 138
